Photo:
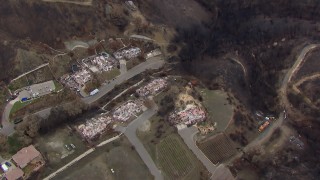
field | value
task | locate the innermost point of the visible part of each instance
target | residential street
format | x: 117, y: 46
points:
x: 187, y: 135
x: 152, y: 63
x: 52, y: 175
x: 130, y: 133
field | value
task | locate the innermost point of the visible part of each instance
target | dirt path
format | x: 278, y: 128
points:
x: 295, y: 87
x: 52, y: 175
x: 296, y: 66
x: 308, y: 78
x: 83, y: 3
x: 264, y: 136
x: 37, y: 68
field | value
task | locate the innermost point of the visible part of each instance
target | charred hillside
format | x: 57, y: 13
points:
x: 261, y: 34
x: 49, y: 22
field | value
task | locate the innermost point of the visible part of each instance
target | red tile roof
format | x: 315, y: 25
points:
x: 25, y: 156
x: 14, y: 174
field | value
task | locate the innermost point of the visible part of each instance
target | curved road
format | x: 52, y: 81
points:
x: 187, y: 134
x: 130, y: 133
x: 283, y: 95
x: 52, y: 175
x: 296, y: 66
x: 152, y: 63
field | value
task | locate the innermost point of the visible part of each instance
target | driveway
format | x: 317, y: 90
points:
x: 152, y: 63
x: 187, y: 134
x: 123, y: 66
x: 7, y: 127
x: 130, y: 133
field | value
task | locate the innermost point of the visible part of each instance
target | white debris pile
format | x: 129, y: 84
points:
x: 127, y: 110
x: 103, y: 62
x: 69, y: 82
x: 189, y: 116
x: 127, y: 53
x: 82, y: 77
x: 76, y: 80
x: 94, y: 126
x: 153, y: 87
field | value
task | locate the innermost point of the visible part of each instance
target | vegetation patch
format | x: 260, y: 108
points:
x: 19, y: 83
x: 111, y: 74
x: 218, y: 108
x: 14, y: 144
x: 217, y: 148
x: 19, y: 105
x: 173, y: 158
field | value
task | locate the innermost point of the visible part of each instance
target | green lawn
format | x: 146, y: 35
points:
x: 19, y: 83
x: 19, y: 105
x: 174, y: 160
x: 58, y: 86
x: 111, y: 74
x: 14, y: 144
x: 219, y: 109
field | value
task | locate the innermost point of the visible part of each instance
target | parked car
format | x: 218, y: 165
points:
x: 18, y: 120
x: 8, y: 164
x: 67, y: 147
x: 73, y: 146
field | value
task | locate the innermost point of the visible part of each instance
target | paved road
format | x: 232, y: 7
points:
x: 265, y: 135
x: 70, y: 164
x: 187, y: 135
x: 8, y: 127
x: 124, y: 91
x: 123, y: 66
x: 130, y: 133
x: 52, y: 175
x: 152, y: 63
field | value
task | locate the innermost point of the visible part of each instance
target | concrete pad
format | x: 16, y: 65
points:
x: 222, y: 173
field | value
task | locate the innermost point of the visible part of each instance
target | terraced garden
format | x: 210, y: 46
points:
x: 217, y: 148
x: 173, y: 159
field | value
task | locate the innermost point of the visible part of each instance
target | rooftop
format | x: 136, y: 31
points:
x: 14, y: 174
x: 25, y: 156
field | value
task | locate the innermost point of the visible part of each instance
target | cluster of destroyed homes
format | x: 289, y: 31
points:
x: 127, y: 53
x: 102, y: 62
x: 152, y: 88
x: 127, y: 110
x: 96, y: 126
x: 22, y: 164
x: 190, y: 115
x: 94, y: 64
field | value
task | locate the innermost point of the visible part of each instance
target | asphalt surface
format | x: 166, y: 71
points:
x: 7, y: 127
x: 52, y: 175
x: 123, y: 66
x: 187, y: 135
x: 130, y: 133
x: 152, y: 63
